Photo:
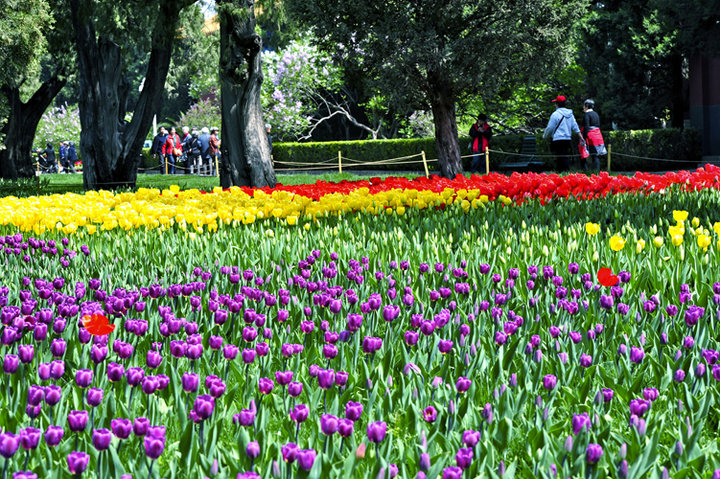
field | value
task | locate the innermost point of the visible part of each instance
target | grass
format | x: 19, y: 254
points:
x: 60, y: 183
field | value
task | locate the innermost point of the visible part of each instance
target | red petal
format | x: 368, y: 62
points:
x: 606, y: 278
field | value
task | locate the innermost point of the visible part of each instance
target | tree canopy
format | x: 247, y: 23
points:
x: 436, y: 54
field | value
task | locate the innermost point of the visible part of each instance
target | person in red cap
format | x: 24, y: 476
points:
x: 560, y: 128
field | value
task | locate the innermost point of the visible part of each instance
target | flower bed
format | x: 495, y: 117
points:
x: 444, y: 341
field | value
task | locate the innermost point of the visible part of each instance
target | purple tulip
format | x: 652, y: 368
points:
x: 30, y: 438
x: 154, y: 446
x: 452, y: 472
x: 289, y: 452
x: 464, y: 457
x: 345, y: 427
x: 593, y: 453
x: 204, y: 406
x: 121, y: 428
x: 328, y: 424
x: 265, y: 385
x: 11, y: 363
x: 77, y: 462
x: 353, y: 410
x: 53, y: 435
x: 430, y: 414
x: 101, y: 439
x: 253, y: 450
x: 636, y: 354
x: 306, y: 459
x: 77, y: 420
x: 549, y: 382
x: 141, y: 426
x: 580, y: 422
x: 94, y: 397
x: 299, y: 413
x: 376, y: 431
x: 462, y: 384
x: 295, y: 389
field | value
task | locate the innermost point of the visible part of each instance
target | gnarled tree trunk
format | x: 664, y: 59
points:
x: 245, y: 148
x: 16, y: 159
x: 442, y: 103
x: 111, y: 148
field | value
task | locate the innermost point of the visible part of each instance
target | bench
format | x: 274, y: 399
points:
x: 524, y: 163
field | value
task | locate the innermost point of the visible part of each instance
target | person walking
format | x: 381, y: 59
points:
x: 72, y: 156
x: 172, y: 150
x: 192, y: 151
x: 480, y: 134
x: 50, y: 158
x: 560, y: 128
x: 156, y: 150
x: 204, y: 141
x: 185, y: 142
x: 214, y: 148
x: 62, y: 155
x: 592, y: 135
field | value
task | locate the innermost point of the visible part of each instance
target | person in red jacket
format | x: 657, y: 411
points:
x: 171, y: 150
x: 480, y: 134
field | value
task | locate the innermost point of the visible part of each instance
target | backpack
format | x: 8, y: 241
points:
x: 194, y: 144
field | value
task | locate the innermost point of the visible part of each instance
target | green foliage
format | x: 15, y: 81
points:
x: 59, y: 124
x: 24, y: 187
x: 22, y: 40
x: 670, y: 144
x: 409, y: 49
x: 204, y: 113
x: 296, y: 79
x: 627, y: 58
x: 194, y: 66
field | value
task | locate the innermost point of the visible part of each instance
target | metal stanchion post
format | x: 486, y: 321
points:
x: 217, y: 170
x: 487, y: 161
x: 166, y: 166
x: 340, y: 162
x: 609, y: 149
x: 427, y: 172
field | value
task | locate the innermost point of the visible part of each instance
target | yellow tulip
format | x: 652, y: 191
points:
x: 658, y: 241
x: 400, y: 210
x: 640, y: 246
x: 617, y: 243
x: 677, y: 240
x: 680, y: 215
x: 291, y: 220
x: 703, y: 241
x: 695, y: 222
x: 592, y: 228
x: 716, y: 227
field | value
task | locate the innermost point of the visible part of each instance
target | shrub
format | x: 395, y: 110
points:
x: 681, y: 147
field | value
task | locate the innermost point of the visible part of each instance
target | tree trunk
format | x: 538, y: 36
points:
x: 111, y: 147
x: 677, y: 114
x: 16, y: 159
x: 442, y: 103
x: 245, y: 159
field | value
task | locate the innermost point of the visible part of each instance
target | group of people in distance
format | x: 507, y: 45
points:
x: 63, y: 163
x: 560, y: 128
x: 195, y: 150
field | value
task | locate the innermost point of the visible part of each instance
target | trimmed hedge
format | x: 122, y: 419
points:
x: 680, y: 146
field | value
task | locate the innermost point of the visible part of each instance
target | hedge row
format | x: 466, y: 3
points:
x: 682, y: 147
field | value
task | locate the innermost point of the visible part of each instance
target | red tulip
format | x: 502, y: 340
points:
x: 606, y: 277
x: 98, y: 325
